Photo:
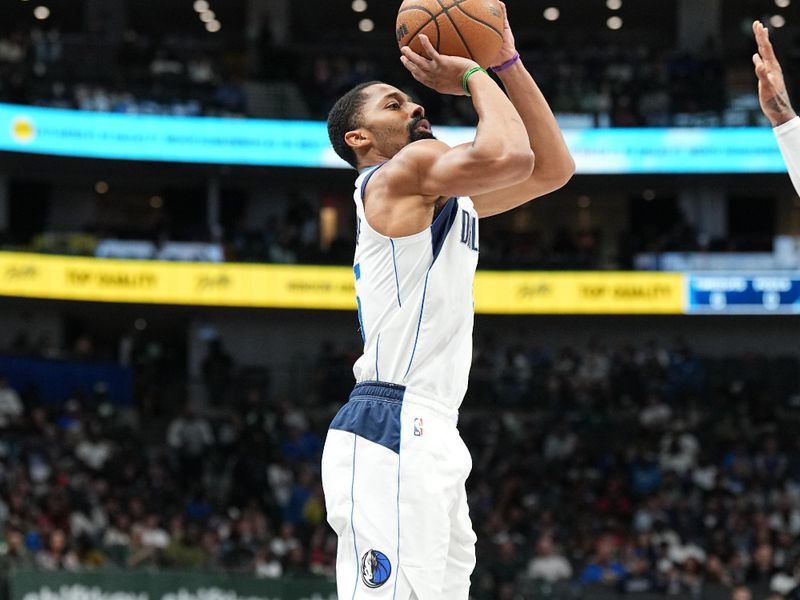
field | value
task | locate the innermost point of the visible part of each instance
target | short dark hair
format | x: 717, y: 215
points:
x: 345, y: 116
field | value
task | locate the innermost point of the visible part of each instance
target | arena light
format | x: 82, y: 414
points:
x: 614, y: 23
x: 366, y: 25
x: 41, y: 12
x: 101, y: 187
x: 213, y: 26
x: 156, y: 202
x: 782, y: 3
x: 201, y: 6
x: 614, y: 4
x: 208, y: 16
x: 359, y: 6
x: 551, y: 13
x: 777, y: 21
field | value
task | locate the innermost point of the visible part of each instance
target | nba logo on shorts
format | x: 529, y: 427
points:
x: 418, y: 426
x: 375, y: 569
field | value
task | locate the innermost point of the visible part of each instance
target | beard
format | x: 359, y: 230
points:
x: 421, y: 135
x: 414, y: 135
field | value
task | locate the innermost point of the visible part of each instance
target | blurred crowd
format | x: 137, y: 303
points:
x: 656, y: 470
x: 638, y: 468
x: 298, y: 235
x: 591, y: 83
x: 180, y: 76
x: 95, y: 486
x: 607, y: 84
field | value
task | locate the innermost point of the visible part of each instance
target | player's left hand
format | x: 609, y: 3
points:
x: 771, y: 87
x: 509, y: 48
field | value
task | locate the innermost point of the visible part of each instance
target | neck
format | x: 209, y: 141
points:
x: 371, y: 159
x: 363, y: 168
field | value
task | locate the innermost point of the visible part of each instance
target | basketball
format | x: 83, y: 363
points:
x: 469, y: 28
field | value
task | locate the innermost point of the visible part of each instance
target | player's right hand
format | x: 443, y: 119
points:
x: 771, y: 87
x: 440, y: 72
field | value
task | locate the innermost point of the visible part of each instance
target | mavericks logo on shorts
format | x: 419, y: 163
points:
x: 375, y: 569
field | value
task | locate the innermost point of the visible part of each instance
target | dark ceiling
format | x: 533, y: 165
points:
x: 333, y: 22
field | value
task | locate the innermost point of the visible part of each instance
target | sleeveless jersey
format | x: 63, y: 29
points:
x: 415, y: 301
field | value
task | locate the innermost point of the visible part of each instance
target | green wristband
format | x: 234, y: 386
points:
x: 468, y: 74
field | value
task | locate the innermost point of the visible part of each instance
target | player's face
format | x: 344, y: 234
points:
x: 393, y: 119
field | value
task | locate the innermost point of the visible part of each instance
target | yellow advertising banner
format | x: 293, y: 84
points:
x: 326, y: 288
x: 193, y: 284
x: 579, y: 293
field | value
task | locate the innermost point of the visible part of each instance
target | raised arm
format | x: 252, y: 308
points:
x: 554, y: 163
x: 771, y: 87
x: 775, y: 103
x: 499, y: 156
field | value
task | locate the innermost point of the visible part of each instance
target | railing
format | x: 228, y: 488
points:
x: 162, y: 585
x: 196, y: 585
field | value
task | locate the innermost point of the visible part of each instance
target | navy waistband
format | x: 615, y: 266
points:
x: 373, y: 413
x: 378, y: 390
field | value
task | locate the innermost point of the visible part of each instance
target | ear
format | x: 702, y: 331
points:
x: 358, y: 139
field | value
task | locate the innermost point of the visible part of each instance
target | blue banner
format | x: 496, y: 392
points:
x: 743, y: 294
x: 55, y: 381
x: 255, y: 142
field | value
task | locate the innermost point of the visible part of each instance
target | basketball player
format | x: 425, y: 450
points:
x: 394, y: 466
x: 775, y: 102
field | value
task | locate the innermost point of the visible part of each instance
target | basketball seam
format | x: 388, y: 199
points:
x: 478, y: 19
x: 455, y: 27
x: 418, y: 7
x: 434, y: 19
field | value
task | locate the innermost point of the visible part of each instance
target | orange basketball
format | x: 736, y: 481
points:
x: 469, y: 28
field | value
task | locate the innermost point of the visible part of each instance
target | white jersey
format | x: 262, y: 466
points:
x: 415, y: 302
x: 788, y: 136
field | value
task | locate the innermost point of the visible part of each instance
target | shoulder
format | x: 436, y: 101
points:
x: 420, y: 152
x: 411, y: 163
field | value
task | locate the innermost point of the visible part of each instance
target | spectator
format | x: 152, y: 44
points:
x: 266, y: 565
x: 190, y: 435
x: 10, y: 405
x: 141, y: 555
x: 603, y: 567
x: 58, y: 555
x: 94, y: 451
x: 548, y: 565
x: 152, y: 534
x: 217, y: 372
x: 560, y: 444
x: 16, y: 555
x: 741, y: 593
x: 184, y: 549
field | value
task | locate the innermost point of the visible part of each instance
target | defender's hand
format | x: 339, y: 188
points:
x: 771, y: 87
x: 440, y: 72
x: 509, y: 48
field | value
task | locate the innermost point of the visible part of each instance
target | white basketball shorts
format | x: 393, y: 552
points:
x: 393, y: 471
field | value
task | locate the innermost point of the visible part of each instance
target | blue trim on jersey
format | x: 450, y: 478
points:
x: 396, y: 277
x: 377, y: 347
x: 442, y: 225
x: 367, y: 178
x: 357, y: 271
x: 419, y: 323
x: 352, y: 514
x: 361, y: 322
x: 373, y: 413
